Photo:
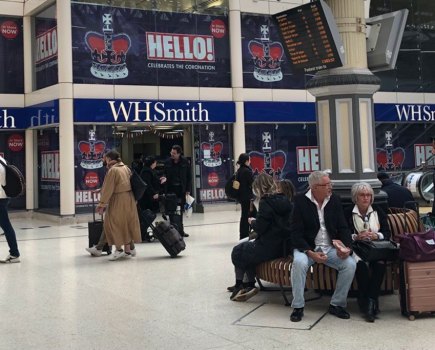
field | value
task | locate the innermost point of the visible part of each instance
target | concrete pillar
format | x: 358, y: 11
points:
x: 344, y: 105
x: 239, y: 140
x: 66, y: 113
x: 31, y: 171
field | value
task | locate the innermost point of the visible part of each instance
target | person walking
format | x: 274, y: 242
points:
x: 245, y: 176
x: 178, y: 180
x: 121, y: 222
x: 5, y: 223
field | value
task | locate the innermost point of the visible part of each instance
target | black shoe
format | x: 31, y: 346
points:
x: 236, y: 292
x: 370, y: 315
x: 297, y: 314
x: 339, y: 311
x: 231, y: 288
x: 185, y: 234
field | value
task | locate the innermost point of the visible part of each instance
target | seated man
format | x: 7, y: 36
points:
x: 317, y: 220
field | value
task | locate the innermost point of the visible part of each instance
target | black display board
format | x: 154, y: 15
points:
x: 310, y: 37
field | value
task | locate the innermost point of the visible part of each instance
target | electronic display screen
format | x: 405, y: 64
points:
x: 310, y: 37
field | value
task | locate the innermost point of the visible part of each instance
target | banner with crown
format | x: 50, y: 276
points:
x: 113, y: 45
x: 265, y: 64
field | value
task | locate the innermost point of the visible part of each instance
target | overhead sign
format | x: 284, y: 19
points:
x: 311, y: 37
x: 151, y: 111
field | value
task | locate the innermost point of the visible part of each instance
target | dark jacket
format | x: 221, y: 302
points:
x: 272, y: 226
x: 397, y: 195
x: 246, y: 178
x: 305, y: 222
x: 178, y: 173
x: 384, y: 228
x: 153, y: 187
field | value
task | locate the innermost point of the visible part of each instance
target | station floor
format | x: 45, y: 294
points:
x: 59, y: 297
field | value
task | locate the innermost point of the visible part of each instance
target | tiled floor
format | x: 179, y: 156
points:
x: 59, y: 297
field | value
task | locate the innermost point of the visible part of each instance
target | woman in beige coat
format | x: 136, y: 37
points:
x: 121, y: 222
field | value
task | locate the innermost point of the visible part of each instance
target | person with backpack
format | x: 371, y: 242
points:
x: 5, y: 223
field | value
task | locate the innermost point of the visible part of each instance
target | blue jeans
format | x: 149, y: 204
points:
x: 301, y: 263
x: 5, y: 224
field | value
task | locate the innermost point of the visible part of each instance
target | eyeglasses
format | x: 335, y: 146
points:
x: 364, y: 194
x: 329, y: 184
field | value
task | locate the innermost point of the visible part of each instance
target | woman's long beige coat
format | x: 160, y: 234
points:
x: 121, y: 221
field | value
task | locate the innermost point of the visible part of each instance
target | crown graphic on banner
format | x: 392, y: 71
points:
x: 212, y: 152
x: 91, y: 152
x: 267, y: 56
x: 108, y: 51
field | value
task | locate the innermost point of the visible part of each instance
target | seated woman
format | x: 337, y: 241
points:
x: 367, y: 222
x: 272, y: 227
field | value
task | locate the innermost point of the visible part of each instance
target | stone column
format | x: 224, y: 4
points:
x: 239, y: 142
x: 344, y: 105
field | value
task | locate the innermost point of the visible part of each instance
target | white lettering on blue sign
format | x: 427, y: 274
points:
x: 7, y: 118
x: 415, y: 113
x: 147, y: 112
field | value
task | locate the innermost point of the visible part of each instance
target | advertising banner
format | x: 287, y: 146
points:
x: 48, y: 170
x: 265, y: 64
x: 12, y: 55
x: 90, y: 146
x: 213, y: 156
x: 12, y: 148
x: 285, y: 151
x: 114, y: 45
x: 45, y: 52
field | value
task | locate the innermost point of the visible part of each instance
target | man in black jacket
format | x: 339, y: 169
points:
x: 397, y: 195
x: 178, y: 181
x: 317, y: 223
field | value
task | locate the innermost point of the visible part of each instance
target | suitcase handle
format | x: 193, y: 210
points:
x: 94, y: 207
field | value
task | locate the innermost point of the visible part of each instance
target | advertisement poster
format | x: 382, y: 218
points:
x: 214, y: 161
x: 402, y: 147
x: 90, y: 146
x: 13, y: 151
x: 265, y: 64
x: 48, y: 170
x: 12, y: 56
x: 285, y: 151
x: 45, y: 52
x: 134, y: 47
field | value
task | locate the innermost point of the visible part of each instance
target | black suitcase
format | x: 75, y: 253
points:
x: 95, y: 229
x: 168, y: 236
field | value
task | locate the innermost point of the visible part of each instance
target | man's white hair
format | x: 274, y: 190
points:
x: 316, y: 177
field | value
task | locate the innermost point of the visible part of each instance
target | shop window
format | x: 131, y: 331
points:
x: 45, y: 48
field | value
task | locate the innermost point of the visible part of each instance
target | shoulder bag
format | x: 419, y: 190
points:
x: 376, y: 250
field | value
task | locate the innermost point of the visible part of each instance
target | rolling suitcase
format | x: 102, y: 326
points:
x: 95, y: 229
x: 417, y: 288
x: 168, y: 236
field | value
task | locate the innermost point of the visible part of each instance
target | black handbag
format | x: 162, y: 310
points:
x: 138, y: 186
x: 376, y: 250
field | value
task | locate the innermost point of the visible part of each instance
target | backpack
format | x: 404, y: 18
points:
x: 230, y: 190
x: 15, y: 183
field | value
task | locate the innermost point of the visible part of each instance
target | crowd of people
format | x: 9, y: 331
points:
x: 313, y: 227
x: 121, y: 227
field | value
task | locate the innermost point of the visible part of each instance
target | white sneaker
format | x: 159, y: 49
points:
x: 94, y: 251
x: 117, y: 255
x: 133, y: 252
x: 11, y: 259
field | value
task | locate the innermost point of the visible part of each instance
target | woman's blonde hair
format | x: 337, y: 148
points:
x: 360, y: 187
x: 263, y: 184
x: 286, y: 187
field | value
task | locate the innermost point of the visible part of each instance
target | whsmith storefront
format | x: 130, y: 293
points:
x: 280, y: 137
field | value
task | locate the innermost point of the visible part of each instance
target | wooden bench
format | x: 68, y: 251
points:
x: 323, y: 279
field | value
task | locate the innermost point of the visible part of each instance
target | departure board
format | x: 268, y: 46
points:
x: 310, y: 37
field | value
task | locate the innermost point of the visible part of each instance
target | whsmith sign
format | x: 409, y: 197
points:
x: 386, y: 112
x: 151, y: 111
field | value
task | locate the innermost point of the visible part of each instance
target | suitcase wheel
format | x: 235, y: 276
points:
x: 411, y: 317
